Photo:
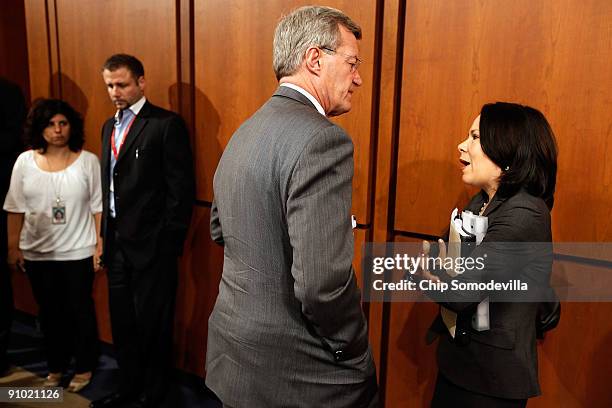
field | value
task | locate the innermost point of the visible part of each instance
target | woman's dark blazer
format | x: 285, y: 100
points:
x: 500, y: 362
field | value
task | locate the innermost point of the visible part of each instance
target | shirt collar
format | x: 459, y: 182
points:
x: 135, y: 107
x: 307, y: 95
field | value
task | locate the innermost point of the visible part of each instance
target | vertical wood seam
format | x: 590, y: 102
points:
x: 49, y: 52
x: 397, y: 98
x: 178, y: 11
x: 375, y: 113
x: 57, y: 51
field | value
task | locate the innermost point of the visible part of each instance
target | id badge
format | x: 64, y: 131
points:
x: 58, y: 212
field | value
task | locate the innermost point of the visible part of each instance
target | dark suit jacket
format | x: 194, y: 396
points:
x: 12, y: 116
x: 502, y: 361
x: 287, y: 329
x: 154, y: 185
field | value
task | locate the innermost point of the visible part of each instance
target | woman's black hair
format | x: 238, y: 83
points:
x: 521, y: 142
x: 38, y: 119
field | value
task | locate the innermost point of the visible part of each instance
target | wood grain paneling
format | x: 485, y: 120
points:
x: 38, y: 49
x: 85, y: 43
x: 360, y: 236
x: 459, y: 55
x: 410, y: 362
x: 234, y: 77
x: 438, y: 62
x: 13, y: 44
x: 550, y: 55
x: 574, y: 359
x: 100, y: 296
x: 385, y: 165
x: 200, y: 272
x: 22, y: 293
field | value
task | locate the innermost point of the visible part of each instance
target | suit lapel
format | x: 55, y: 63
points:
x: 106, y: 137
x: 497, y: 201
x: 477, y: 202
x: 139, y: 124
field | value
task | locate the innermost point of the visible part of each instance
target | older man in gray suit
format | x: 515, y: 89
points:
x: 287, y: 329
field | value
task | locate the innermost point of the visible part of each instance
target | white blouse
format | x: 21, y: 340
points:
x: 34, y: 192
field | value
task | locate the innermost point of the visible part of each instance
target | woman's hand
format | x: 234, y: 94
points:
x: 15, y: 260
x: 424, y: 272
x: 14, y: 255
x: 97, y: 258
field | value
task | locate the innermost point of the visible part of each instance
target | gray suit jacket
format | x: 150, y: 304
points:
x: 287, y: 329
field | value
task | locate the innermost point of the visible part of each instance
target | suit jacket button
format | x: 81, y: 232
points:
x: 462, y: 338
x: 338, y: 355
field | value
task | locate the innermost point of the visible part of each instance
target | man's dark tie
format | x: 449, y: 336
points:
x: 118, y: 117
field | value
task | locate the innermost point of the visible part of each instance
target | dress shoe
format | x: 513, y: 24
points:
x: 115, y: 399
x: 79, y: 381
x: 52, y: 380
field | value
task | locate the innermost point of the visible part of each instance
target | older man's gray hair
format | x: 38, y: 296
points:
x: 305, y: 27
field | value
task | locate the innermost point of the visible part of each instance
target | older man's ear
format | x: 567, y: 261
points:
x: 313, y: 60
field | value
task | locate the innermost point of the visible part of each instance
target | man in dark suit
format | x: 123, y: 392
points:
x: 287, y: 329
x: 12, y: 116
x: 148, y: 190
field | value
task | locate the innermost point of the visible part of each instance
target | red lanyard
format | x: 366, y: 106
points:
x: 127, y: 130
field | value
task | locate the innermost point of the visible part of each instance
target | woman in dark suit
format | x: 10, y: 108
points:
x: 511, y: 155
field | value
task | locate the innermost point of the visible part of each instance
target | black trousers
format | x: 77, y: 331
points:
x: 6, y: 313
x: 447, y: 394
x: 67, y: 315
x: 6, y: 297
x: 142, y: 314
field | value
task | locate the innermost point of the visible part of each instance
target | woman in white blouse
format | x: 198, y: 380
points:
x: 55, y: 204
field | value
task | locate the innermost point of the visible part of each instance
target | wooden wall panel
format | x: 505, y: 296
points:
x: 85, y: 43
x: 199, y: 276
x: 234, y: 77
x: 361, y: 237
x: 13, y: 44
x: 457, y: 56
x: 411, y: 363
x: 574, y: 359
x: 579, y: 107
x: 22, y: 293
x: 572, y: 370
x: 358, y: 122
x: 100, y: 296
x: 38, y: 49
x: 552, y: 55
x: 436, y: 63
x: 40, y: 71
x: 385, y: 165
